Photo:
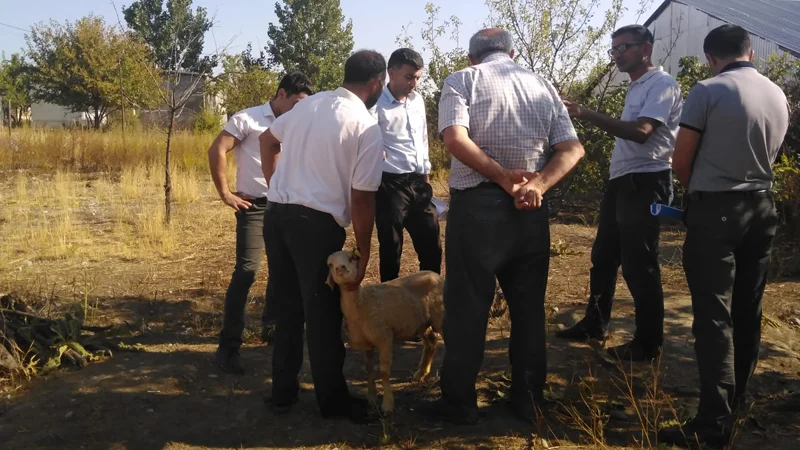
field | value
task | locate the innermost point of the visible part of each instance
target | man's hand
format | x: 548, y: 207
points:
x: 530, y: 195
x: 513, y: 180
x: 239, y: 202
x: 575, y: 110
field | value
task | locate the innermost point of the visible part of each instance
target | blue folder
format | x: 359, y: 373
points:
x: 658, y: 209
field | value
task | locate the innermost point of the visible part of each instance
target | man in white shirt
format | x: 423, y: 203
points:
x: 640, y: 174
x: 249, y: 201
x: 330, y: 150
x: 404, y: 198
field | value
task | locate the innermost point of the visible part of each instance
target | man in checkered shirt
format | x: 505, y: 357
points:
x: 512, y: 140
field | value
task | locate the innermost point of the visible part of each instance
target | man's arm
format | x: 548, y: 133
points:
x: 362, y: 205
x: 638, y: 130
x: 270, y: 151
x: 218, y: 164
x: 458, y: 143
x: 685, y: 151
x: 566, y: 157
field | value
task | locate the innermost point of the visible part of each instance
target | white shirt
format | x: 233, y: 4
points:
x: 246, y: 126
x: 405, y: 133
x: 330, y: 143
x: 658, y: 96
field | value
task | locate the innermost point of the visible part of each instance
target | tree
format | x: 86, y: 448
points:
x: 175, y: 35
x: 15, y: 88
x: 89, y: 67
x: 244, y: 83
x: 312, y: 37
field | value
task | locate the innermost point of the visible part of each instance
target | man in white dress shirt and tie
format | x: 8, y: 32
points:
x: 404, y: 198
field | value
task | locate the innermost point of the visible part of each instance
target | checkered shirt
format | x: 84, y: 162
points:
x: 512, y: 114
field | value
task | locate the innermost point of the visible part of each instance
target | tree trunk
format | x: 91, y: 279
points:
x: 167, y: 175
x: 97, y: 119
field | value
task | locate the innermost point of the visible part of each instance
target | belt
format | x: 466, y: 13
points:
x: 483, y: 185
x: 699, y: 195
x: 261, y: 201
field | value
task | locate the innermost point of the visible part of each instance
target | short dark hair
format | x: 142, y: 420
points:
x: 407, y: 56
x: 362, y: 66
x: 727, y: 41
x: 294, y: 83
x: 639, y: 32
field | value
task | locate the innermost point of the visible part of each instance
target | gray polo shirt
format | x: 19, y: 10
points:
x: 743, y: 118
x: 655, y: 95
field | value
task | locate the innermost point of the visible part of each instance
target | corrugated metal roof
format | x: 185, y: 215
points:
x: 774, y: 20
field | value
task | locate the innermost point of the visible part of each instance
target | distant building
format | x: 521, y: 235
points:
x: 680, y: 26
x: 48, y: 115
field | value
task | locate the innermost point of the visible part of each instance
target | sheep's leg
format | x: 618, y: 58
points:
x: 429, y: 340
x: 386, y: 370
x: 372, y: 391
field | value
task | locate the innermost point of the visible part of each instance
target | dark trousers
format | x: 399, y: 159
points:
x: 404, y: 201
x: 726, y: 257
x: 628, y: 235
x: 249, y: 252
x: 487, y: 238
x: 299, y: 241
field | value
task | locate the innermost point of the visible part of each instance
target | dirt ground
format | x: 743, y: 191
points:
x: 172, y: 396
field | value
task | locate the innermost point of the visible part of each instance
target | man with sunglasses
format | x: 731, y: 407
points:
x: 640, y: 174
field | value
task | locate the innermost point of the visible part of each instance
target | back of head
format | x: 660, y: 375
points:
x: 488, y: 41
x: 363, y: 66
x: 405, y: 56
x: 727, y: 42
x: 296, y: 82
x: 639, y: 33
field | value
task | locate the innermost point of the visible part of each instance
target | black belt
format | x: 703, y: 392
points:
x: 699, y: 195
x: 260, y: 201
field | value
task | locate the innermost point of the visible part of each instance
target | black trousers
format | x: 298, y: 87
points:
x: 249, y: 252
x: 488, y: 239
x: 299, y: 241
x: 404, y: 201
x: 726, y: 257
x: 628, y: 235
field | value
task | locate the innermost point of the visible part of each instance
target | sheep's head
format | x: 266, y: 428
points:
x: 342, y: 267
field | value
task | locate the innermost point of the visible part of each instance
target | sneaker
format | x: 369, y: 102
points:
x: 693, y: 434
x: 634, y: 351
x: 583, y: 330
x: 229, y: 360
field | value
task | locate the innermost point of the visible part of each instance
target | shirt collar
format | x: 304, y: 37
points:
x: 390, y: 98
x: 496, y: 57
x: 738, y: 65
x: 267, y: 110
x: 647, y: 75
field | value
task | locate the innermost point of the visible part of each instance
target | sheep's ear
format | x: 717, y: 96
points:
x: 329, y: 281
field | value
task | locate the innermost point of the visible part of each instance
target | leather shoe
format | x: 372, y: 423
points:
x: 583, y: 330
x: 229, y: 360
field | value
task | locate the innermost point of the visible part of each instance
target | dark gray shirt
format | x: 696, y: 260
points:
x: 743, y: 118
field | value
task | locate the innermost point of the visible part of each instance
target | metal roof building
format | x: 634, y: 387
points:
x: 679, y: 27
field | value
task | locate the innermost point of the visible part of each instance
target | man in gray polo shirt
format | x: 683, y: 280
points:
x: 639, y: 175
x: 732, y: 128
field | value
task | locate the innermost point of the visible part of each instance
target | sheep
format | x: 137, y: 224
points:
x: 378, y: 315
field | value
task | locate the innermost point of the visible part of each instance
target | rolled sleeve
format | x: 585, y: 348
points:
x: 238, y: 126
x: 368, y: 168
x: 695, y: 109
x: 453, y: 104
x: 561, y: 128
x: 659, y: 101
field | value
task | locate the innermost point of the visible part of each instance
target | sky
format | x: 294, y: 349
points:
x: 376, y: 24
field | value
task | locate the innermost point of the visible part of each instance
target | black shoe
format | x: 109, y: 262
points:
x: 357, y: 410
x: 634, y: 351
x: 268, y: 332
x: 693, y: 434
x: 280, y: 407
x: 583, y: 330
x: 228, y: 360
x: 443, y: 410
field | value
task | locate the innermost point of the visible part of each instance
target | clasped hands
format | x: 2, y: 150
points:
x: 526, y: 188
